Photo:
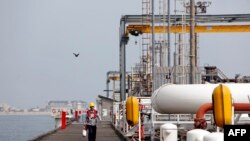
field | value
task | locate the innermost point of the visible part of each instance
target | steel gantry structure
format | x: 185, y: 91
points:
x: 131, y: 24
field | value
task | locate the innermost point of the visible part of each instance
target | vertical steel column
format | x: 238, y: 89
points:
x: 153, y: 46
x: 153, y: 65
x: 180, y: 51
x: 107, y: 86
x: 108, y: 81
x: 192, y: 42
x: 123, y: 42
x: 123, y: 60
x: 169, y: 49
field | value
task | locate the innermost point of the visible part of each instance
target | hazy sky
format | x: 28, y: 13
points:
x: 38, y: 38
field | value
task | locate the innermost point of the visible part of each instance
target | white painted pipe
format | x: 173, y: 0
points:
x: 178, y: 99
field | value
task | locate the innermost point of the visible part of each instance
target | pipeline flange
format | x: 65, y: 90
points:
x: 200, y: 123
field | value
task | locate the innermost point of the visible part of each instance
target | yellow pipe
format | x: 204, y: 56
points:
x: 198, y: 29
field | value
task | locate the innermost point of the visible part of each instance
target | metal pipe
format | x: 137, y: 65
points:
x: 241, y: 106
x: 153, y: 44
x: 192, y: 42
x: 203, y: 109
x: 169, y: 49
x: 191, y: 97
x: 200, y: 121
x: 180, y: 51
x: 153, y: 64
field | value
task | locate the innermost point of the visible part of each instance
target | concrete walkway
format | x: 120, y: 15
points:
x: 73, y: 132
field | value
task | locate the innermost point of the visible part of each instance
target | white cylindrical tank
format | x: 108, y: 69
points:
x: 168, y: 132
x: 177, y: 99
x: 216, y: 136
x: 196, y: 134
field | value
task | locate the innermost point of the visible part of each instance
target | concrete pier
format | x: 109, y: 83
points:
x: 73, y: 132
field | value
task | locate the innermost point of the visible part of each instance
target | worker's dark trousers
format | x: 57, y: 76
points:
x: 91, y: 132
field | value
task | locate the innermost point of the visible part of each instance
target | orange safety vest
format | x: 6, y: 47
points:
x: 89, y: 112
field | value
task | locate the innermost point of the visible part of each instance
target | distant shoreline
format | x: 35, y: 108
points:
x: 24, y: 113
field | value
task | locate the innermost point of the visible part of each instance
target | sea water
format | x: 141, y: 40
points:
x: 24, y: 127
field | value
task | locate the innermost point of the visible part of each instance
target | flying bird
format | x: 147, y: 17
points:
x: 76, y: 55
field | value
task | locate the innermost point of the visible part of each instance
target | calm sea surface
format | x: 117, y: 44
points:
x: 23, y: 128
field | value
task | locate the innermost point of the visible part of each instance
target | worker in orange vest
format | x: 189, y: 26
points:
x: 91, y: 121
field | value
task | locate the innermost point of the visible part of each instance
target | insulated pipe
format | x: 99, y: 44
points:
x: 184, y: 99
